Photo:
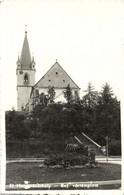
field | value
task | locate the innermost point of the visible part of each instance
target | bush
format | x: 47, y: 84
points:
x: 115, y: 147
x: 66, y: 160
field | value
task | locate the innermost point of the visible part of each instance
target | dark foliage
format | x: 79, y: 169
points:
x: 66, y: 160
x: 115, y: 147
x: 68, y: 94
x: 52, y: 124
x: 51, y: 94
x: 15, y: 126
x: 108, y: 116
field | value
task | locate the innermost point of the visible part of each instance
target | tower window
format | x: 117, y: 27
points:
x: 49, y: 80
x: 26, y: 78
x: 64, y: 81
x: 56, y: 73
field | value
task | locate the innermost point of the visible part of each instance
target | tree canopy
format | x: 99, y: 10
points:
x: 97, y: 114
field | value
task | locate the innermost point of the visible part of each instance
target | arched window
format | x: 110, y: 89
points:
x: 26, y: 78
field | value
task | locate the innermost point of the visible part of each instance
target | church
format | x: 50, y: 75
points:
x: 28, y: 90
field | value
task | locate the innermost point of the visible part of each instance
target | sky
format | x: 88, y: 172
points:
x: 86, y: 37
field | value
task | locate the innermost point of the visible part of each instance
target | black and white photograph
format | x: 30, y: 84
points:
x: 62, y: 77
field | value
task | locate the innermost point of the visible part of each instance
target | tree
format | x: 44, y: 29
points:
x: 15, y: 126
x: 89, y: 103
x: 68, y: 94
x: 51, y: 94
x: 91, y: 97
x: 106, y: 95
x: 43, y: 99
x: 108, y: 115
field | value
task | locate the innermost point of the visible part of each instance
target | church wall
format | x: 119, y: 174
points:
x: 59, y: 97
x: 55, y: 76
x: 23, y: 94
x: 59, y: 94
x: 20, y: 77
x: 24, y: 87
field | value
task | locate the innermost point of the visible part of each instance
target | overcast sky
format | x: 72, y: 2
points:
x: 85, y: 36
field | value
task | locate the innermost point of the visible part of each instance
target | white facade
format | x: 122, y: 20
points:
x: 26, y: 88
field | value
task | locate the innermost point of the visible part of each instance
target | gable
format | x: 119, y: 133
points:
x: 57, y: 77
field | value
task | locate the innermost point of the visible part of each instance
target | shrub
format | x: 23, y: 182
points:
x: 66, y: 160
x: 115, y: 147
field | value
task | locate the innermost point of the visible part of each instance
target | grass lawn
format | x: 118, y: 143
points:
x: 17, y: 173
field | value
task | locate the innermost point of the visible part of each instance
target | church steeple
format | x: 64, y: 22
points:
x: 25, y: 55
x: 25, y: 75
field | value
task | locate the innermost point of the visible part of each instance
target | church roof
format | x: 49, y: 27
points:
x: 57, y: 77
x: 25, y: 55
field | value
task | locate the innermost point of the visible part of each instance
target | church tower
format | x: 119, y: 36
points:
x: 25, y: 75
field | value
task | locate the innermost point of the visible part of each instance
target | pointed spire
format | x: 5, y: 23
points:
x: 25, y: 55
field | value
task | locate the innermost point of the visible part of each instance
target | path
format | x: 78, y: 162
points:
x: 113, y: 160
